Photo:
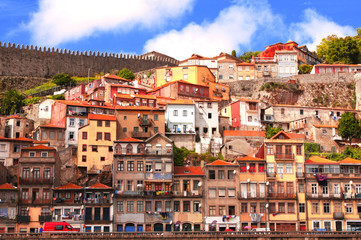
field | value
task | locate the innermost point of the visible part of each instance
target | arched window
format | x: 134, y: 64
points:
x: 118, y: 149
x: 129, y: 148
x: 140, y: 149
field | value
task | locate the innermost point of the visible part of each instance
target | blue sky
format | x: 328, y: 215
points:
x: 173, y: 27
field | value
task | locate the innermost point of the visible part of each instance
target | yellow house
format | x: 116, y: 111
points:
x: 194, y: 74
x: 284, y: 155
x: 95, y: 145
x: 333, y: 194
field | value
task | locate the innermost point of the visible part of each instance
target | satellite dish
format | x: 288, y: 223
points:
x: 138, y: 115
x: 199, y: 184
x: 234, y: 172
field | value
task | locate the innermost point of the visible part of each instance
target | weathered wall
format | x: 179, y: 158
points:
x: 44, y: 62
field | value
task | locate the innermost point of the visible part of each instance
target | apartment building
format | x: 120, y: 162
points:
x: 9, y: 196
x: 284, y: 155
x: 221, y: 210
x: 18, y: 127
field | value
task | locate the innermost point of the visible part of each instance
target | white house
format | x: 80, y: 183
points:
x: 250, y: 114
x: 180, y: 116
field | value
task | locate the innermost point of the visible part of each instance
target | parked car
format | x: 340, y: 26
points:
x: 58, y: 227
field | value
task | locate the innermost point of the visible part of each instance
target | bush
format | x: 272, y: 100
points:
x: 31, y: 100
x: 63, y: 79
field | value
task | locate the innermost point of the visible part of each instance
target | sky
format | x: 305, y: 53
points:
x: 172, y: 27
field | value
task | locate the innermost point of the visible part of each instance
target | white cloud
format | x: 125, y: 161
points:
x: 234, y: 26
x: 59, y: 21
x: 314, y: 27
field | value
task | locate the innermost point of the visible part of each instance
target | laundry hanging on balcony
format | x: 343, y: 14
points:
x: 322, y: 179
x: 163, y: 215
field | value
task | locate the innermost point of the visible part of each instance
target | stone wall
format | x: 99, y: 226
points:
x: 45, y: 62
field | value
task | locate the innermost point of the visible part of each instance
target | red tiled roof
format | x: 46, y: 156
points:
x: 126, y: 96
x: 14, y: 116
x: 116, y: 77
x: 219, y: 162
x: 320, y: 161
x: 325, y: 126
x: 249, y: 158
x: 7, y: 186
x: 245, y: 64
x: 129, y: 139
x: 68, y: 186
x: 101, y: 117
x: 182, y: 101
x: 248, y: 100
x: 235, y: 133
x: 38, y: 142
x: 350, y: 161
x: 39, y: 147
x: 289, y: 135
x: 83, y: 104
x: 188, y: 171
x: 125, y: 86
x: 22, y: 139
x: 138, y: 108
x: 99, y: 185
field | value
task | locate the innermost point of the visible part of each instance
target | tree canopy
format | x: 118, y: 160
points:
x: 247, y: 56
x: 11, y: 102
x: 349, y: 127
x: 63, y: 79
x: 126, y: 73
x: 271, y: 131
x: 234, y: 53
x: 305, y: 69
x: 335, y: 49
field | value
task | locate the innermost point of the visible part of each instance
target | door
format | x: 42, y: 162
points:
x: 119, y: 228
x: 253, y: 189
x: 129, y: 227
x: 338, y: 225
x: 158, y: 227
x: 139, y: 228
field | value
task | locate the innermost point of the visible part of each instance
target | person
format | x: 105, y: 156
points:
x: 41, y: 230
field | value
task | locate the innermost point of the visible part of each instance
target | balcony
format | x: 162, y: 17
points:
x: 300, y: 175
x: 70, y: 218
x: 251, y: 195
x: 62, y: 201
x: 161, y: 194
x: 23, y: 219
x: 131, y: 193
x: 282, y: 196
x: 323, y: 196
x: 194, y: 193
x: 45, y: 218
x: 284, y: 156
x: 180, y: 132
x: 98, y: 201
x: 351, y: 195
x: 141, y: 134
x: 145, y: 122
x: 338, y: 215
x: 9, y: 200
x: 271, y: 175
x: 39, y: 181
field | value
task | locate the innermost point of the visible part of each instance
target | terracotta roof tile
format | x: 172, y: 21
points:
x: 116, y: 77
x: 350, y: 161
x: 188, y: 171
x: 235, y: 133
x: 249, y: 158
x: 138, y: 108
x: 7, y: 186
x: 289, y: 135
x: 39, y: 147
x: 320, y: 160
x: 325, y: 126
x: 14, y: 116
x: 219, y: 162
x: 100, y: 185
x: 101, y: 117
x: 182, y: 101
x: 68, y: 186
x: 129, y: 139
x: 248, y: 100
x: 50, y: 126
x: 22, y: 139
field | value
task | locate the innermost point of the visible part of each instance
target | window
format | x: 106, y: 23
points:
x: 130, y: 166
x: 281, y: 186
x: 289, y: 168
x: 158, y: 206
x: 83, y: 158
x: 136, y: 129
x: 158, y: 166
x: 281, y: 208
x: 148, y: 167
x: 84, y: 135
x: 316, y: 225
x: 270, y: 168
x: 249, y: 118
x: 314, y: 189
x: 269, y: 150
x: 168, y: 207
x: 243, y: 167
x: 230, y: 174
x: 221, y: 192
x: 299, y: 149
x: 279, y: 167
x: 326, y: 207
x: 47, y: 173
x: 71, y: 122
x: 212, y: 210
x: 94, y: 148
x: 99, y: 136
x: 252, y: 167
x: 348, y: 208
x: 185, y: 113
x: 175, y: 112
x: 261, y: 167
x: 102, y: 159
x: 140, y: 206
x: 99, y: 123
x: 244, y: 208
x: 71, y: 135
x: 176, y: 206
x: 130, y: 206
x: 290, y: 207
x: 140, y: 149
x: 156, y: 129
x: 120, y: 166
x: 315, y: 208
x: 212, y: 174
x: 44, y: 154
x: 32, y: 154
x: 129, y: 149
x: 209, y: 115
x: 222, y: 210
x: 107, y: 136
x: 186, y: 206
x: 107, y: 123
x: 140, y: 166
x: 155, y: 117
x: 212, y: 192
x: 36, y: 173
x: 220, y: 174
x: 301, y: 207
x: 196, y: 206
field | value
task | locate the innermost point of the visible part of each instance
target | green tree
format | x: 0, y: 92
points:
x: 234, y: 54
x: 305, y: 69
x: 126, y: 73
x: 11, y: 102
x: 349, y: 127
x: 57, y: 97
x: 63, y: 79
x: 271, y: 131
x: 323, y: 46
x: 247, y: 56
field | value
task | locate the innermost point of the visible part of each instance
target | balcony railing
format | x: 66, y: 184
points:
x: 161, y: 194
x: 145, y: 122
x: 97, y: 200
x: 323, y: 196
x: 35, y: 180
x: 66, y: 201
x: 351, y: 195
x: 338, y: 215
x: 9, y: 200
x: 251, y: 195
x: 131, y: 193
x: 60, y: 218
x: 45, y: 218
x: 194, y: 193
x: 141, y: 134
x: 281, y: 196
x: 284, y: 156
x: 21, y: 218
x: 271, y: 174
x: 300, y: 174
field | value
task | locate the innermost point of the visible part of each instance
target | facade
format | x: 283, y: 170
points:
x: 335, y: 68
x: 188, y: 198
x: 53, y: 134
x: 18, y: 127
x: 10, y: 149
x: 139, y: 121
x: 284, y: 157
x: 95, y: 146
x: 35, y: 182
x: 142, y: 176
x: 8, y: 208
x: 252, y: 195
x: 221, y: 208
x: 180, y: 116
x: 246, y: 71
x: 287, y: 63
x: 227, y: 70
